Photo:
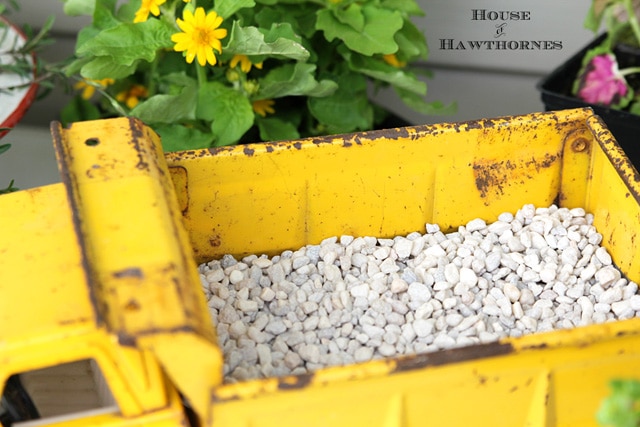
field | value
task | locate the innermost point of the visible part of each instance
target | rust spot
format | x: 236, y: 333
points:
x: 129, y: 272
x: 513, y: 389
x: 536, y: 346
x: 444, y: 357
x: 126, y: 340
x: 297, y: 145
x: 132, y: 305
x: 66, y: 322
x: 137, y: 133
x: 248, y: 151
x: 294, y: 382
x: 492, y: 176
x: 215, y: 241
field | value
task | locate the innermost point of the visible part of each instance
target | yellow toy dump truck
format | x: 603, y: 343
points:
x: 102, y: 268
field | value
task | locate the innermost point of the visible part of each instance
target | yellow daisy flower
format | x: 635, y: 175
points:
x: 263, y: 107
x: 245, y: 63
x: 148, y: 6
x: 200, y: 36
x: 88, y: 86
x: 392, y: 60
x: 131, y: 97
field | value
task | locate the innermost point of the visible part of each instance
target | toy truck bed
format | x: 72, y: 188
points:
x: 120, y: 238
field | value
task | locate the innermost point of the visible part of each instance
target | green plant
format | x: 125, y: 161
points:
x: 20, y: 61
x: 622, y: 407
x: 601, y: 81
x: 4, y: 147
x: 208, y: 73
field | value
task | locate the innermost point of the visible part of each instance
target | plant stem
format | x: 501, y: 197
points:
x: 202, y: 75
x: 151, y: 83
x: 630, y: 70
x: 633, y: 20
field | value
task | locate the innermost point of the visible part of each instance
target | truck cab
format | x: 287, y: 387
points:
x: 120, y: 300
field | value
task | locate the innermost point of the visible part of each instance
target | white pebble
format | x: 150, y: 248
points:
x: 354, y: 299
x: 607, y: 276
x: 418, y: 292
x: 476, y: 225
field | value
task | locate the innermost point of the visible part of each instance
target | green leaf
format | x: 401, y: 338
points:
x: 127, y: 11
x: 348, y: 109
x: 294, y: 80
x: 298, y: 16
x: 165, y: 108
x: 250, y: 41
x: 280, y: 31
x: 594, y: 16
x: 229, y: 109
x: 103, y: 15
x: 76, y: 65
x: 275, y: 129
x: 377, y: 36
x: 634, y: 108
x: 4, y: 147
x: 85, y: 34
x: 410, y: 7
x: 418, y: 103
x: 104, y: 67
x: 9, y: 189
x: 411, y: 42
x: 620, y: 407
x: 79, y: 7
x: 226, y: 8
x: 351, y: 16
x: 128, y: 42
x: 78, y: 110
x: 380, y: 70
x: 177, y: 137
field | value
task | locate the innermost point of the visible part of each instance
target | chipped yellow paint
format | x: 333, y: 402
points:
x: 265, y: 198
x: 120, y: 238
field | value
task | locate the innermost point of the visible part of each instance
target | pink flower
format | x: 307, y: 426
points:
x: 602, y: 82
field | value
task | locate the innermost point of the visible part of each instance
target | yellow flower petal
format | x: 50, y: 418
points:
x: 146, y: 7
x: 263, y: 107
x: 200, y: 36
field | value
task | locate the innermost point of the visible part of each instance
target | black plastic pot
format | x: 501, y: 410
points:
x: 555, y: 90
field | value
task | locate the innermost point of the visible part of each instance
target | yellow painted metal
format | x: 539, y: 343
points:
x: 101, y: 268
x: 266, y: 198
x: 48, y: 317
x: 137, y: 254
x: 273, y: 197
x: 122, y: 287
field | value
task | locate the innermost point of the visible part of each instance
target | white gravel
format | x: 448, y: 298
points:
x: 350, y: 299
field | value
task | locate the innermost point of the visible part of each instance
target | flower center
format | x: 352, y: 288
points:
x: 203, y: 36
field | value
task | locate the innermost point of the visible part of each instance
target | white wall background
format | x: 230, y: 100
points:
x: 484, y: 83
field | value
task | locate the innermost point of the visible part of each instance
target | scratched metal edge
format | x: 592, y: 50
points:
x: 63, y: 159
x: 357, y: 138
x: 409, y: 363
x: 397, y: 365
x: 620, y: 161
x: 457, y: 355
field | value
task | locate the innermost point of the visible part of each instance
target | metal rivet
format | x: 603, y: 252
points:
x: 580, y: 145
